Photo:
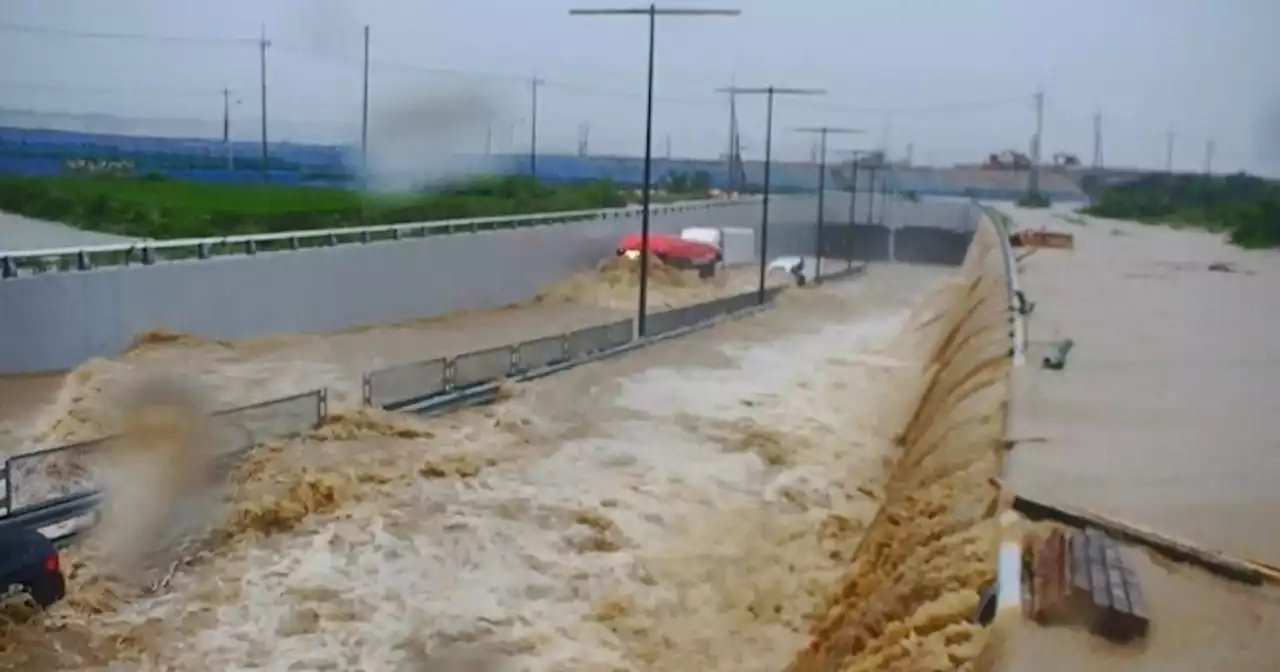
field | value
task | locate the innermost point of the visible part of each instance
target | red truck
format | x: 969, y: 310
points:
x: 674, y: 251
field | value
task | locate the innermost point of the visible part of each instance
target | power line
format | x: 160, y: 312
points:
x: 135, y: 37
x: 102, y: 90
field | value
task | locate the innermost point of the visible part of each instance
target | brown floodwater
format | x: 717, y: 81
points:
x: 1161, y: 418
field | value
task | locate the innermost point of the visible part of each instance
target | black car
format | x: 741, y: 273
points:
x: 30, y: 561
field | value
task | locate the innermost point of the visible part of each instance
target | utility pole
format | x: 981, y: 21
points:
x: 1097, y: 139
x: 1210, y: 148
x: 668, y: 141
x: 1033, y: 180
x: 823, y: 132
x: 911, y: 150
x: 226, y: 129
x: 364, y: 113
x: 734, y: 146
x: 534, y: 83
x: 488, y: 138
x: 1169, y: 137
x: 769, y: 92
x: 584, y: 138
x: 262, y: 62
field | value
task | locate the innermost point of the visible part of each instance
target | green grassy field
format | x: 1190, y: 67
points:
x: 1245, y: 207
x: 158, y: 208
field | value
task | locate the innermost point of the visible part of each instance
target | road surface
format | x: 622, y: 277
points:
x: 684, y: 507
x: 18, y: 233
x: 1162, y: 417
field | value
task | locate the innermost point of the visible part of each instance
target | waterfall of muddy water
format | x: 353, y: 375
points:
x: 239, y: 373
x: 686, y: 507
x: 913, y: 584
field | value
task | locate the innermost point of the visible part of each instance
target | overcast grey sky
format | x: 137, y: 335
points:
x: 952, y: 77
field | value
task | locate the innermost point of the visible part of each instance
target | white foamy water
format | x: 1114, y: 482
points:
x: 686, y: 507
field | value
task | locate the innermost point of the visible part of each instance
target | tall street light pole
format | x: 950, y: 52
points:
x: 769, y: 92
x: 653, y: 12
x: 823, y: 132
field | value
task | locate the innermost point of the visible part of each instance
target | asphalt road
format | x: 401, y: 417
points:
x: 18, y: 233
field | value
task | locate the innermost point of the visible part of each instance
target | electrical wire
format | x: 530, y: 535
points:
x: 135, y: 37
x: 97, y: 90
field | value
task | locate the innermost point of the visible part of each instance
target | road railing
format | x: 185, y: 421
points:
x: 14, y: 263
x: 442, y: 382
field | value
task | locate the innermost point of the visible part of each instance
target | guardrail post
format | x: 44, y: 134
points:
x: 364, y: 236
x: 332, y: 239
x: 322, y: 406
x: 8, y: 269
x: 8, y: 488
x: 250, y: 247
x: 397, y: 234
x: 82, y: 261
x: 202, y: 251
x: 148, y: 255
x: 294, y: 243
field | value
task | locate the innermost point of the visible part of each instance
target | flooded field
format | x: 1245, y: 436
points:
x: 686, y: 507
x: 1161, y: 418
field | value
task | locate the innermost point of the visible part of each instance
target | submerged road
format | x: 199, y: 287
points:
x: 683, y: 507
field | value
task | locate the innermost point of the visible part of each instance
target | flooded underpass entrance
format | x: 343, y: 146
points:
x: 786, y: 491
x: 689, y: 506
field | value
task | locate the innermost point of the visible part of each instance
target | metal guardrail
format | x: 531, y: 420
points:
x: 149, y: 251
x: 1007, y: 596
x: 419, y: 383
x: 404, y: 385
x: 255, y: 423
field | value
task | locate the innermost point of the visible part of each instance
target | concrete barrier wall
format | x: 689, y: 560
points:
x: 928, y: 232
x: 56, y: 321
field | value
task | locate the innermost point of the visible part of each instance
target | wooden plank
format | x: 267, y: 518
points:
x: 1216, y: 562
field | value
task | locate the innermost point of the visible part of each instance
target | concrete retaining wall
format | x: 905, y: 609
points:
x: 926, y: 232
x: 56, y: 321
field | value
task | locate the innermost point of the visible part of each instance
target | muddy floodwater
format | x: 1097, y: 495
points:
x: 43, y: 410
x: 685, y: 507
x: 1163, y: 417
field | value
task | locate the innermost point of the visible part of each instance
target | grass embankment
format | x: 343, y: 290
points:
x: 158, y: 208
x: 1244, y: 207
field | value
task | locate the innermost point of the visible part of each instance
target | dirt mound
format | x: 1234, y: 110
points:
x: 906, y: 602
x: 154, y: 338
x: 614, y: 281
